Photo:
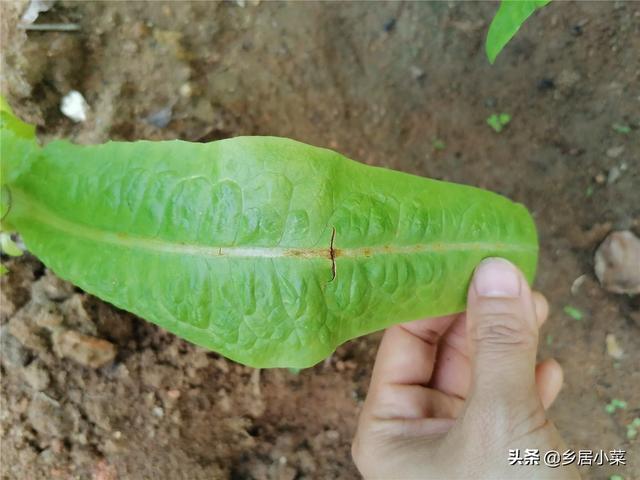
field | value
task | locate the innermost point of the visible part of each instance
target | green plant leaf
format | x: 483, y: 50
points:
x: 621, y: 128
x: 269, y: 251
x: 498, y: 121
x: 18, y: 147
x: 438, y: 144
x: 573, y: 312
x: 509, y: 18
x: 632, y: 428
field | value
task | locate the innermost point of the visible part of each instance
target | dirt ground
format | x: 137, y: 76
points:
x: 400, y: 85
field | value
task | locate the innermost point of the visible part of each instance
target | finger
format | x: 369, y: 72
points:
x: 503, y: 336
x: 397, y: 401
x: 452, y: 371
x: 452, y: 374
x: 408, y: 351
x: 541, y: 306
x: 405, y: 358
x: 549, y: 378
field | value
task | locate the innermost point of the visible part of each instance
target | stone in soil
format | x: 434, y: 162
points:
x: 76, y: 316
x: 617, y: 263
x: 51, y: 287
x: 11, y: 350
x: 25, y: 332
x: 48, y: 417
x: 613, y: 348
x: 615, y: 152
x: 48, y: 316
x: 86, y: 350
x: 7, y: 306
x: 36, y: 376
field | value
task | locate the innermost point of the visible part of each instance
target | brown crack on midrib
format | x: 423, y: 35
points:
x: 332, y: 255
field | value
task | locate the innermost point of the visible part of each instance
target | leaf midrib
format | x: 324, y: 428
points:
x: 47, y: 217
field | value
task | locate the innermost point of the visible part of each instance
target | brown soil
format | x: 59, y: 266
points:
x: 379, y: 83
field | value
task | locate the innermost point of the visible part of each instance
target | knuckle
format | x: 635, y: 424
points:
x: 427, y: 335
x: 503, y: 330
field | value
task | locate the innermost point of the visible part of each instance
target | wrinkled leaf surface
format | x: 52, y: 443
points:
x: 269, y: 251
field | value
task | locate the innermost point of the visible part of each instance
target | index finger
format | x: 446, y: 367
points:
x: 407, y: 352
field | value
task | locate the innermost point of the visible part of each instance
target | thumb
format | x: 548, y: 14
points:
x: 503, y: 336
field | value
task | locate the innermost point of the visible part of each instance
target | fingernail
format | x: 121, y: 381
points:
x: 496, y: 277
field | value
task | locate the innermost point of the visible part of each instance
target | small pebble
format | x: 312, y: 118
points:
x: 617, y: 263
x: 23, y: 330
x: 48, y: 417
x: 614, y: 174
x: 333, y: 434
x: 577, y: 283
x: 52, y: 287
x: 615, y: 152
x: 158, y: 412
x: 76, y: 315
x: 88, y: 351
x: 36, y: 376
x: 35, y: 8
x: 161, y: 118
x: 417, y: 73
x: 613, y: 348
x: 546, y: 84
x: 74, y: 106
x: 48, y: 316
x: 11, y: 349
x: 389, y: 25
x: 567, y: 79
x: 186, y: 90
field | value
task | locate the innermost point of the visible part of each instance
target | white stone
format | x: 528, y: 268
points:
x: 74, y: 106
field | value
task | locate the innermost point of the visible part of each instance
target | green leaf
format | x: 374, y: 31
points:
x: 632, y: 428
x: 573, y: 312
x: 498, y: 121
x: 438, y: 144
x: 621, y: 128
x: 507, y: 21
x: 614, y: 405
x: 269, y: 251
x: 3, y: 270
x: 619, y: 403
x: 11, y: 123
x: 18, y: 147
x: 504, y: 118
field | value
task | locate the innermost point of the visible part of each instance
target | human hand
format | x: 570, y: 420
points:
x: 449, y: 396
